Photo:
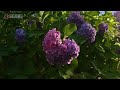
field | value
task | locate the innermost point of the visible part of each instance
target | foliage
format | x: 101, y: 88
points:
x: 97, y: 60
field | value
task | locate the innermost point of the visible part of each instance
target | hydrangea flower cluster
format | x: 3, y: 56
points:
x: 20, y: 35
x: 72, y: 48
x: 76, y: 18
x: 83, y: 28
x: 117, y: 15
x: 59, y: 52
x: 52, y: 40
x: 86, y: 30
x: 102, y: 28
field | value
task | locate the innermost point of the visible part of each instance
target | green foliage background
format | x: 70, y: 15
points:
x: 96, y: 61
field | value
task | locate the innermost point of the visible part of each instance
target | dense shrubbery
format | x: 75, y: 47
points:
x: 60, y: 45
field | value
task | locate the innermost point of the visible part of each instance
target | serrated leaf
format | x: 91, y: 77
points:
x: 69, y: 29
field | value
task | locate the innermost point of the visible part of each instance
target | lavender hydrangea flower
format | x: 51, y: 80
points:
x: 117, y: 15
x: 76, y: 18
x: 87, y: 31
x: 102, y: 28
x: 72, y: 49
x: 20, y: 35
x: 58, y: 52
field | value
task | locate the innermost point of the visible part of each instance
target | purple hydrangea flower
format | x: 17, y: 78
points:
x: 87, y: 31
x: 102, y: 28
x: 58, y: 52
x: 57, y: 55
x: 72, y: 49
x: 117, y: 15
x: 52, y: 39
x: 20, y: 35
x: 76, y: 18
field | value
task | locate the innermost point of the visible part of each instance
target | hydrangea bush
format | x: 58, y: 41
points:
x: 60, y: 45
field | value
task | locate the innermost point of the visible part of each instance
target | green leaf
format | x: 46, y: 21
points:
x: 86, y: 75
x: 94, y: 13
x: 43, y: 19
x: 32, y: 34
x: 52, y: 19
x: 64, y: 75
x: 112, y: 75
x: 69, y: 29
x: 100, y: 48
x: 96, y: 68
x: 79, y: 39
x: 74, y: 64
x: 41, y: 13
x: 82, y: 40
x: 70, y: 73
x: 67, y: 71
